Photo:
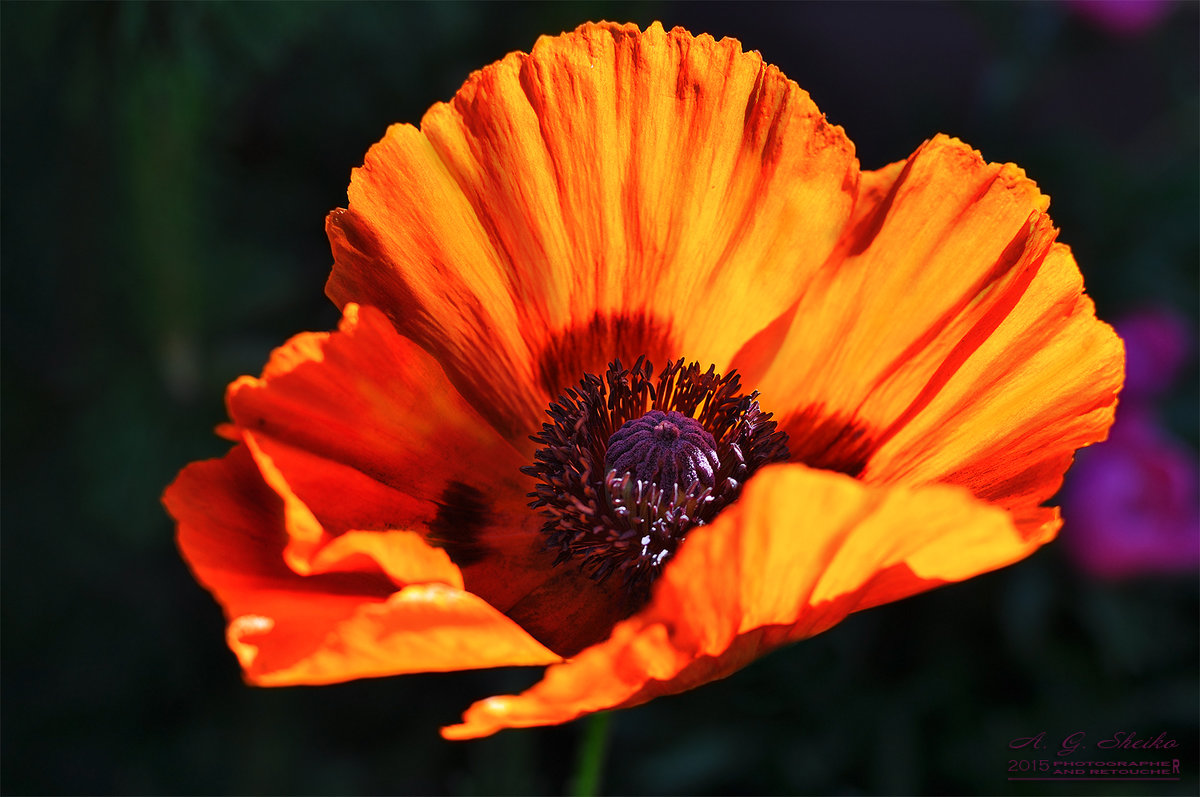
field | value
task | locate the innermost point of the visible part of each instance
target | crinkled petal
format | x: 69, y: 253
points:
x: 374, y: 603
x: 1006, y: 423
x: 361, y: 429
x: 612, y: 193
x: 949, y: 340
x: 800, y: 550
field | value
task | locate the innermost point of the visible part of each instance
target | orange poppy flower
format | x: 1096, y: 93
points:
x: 917, y: 362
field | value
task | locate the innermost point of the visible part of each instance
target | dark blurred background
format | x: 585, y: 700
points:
x: 166, y: 172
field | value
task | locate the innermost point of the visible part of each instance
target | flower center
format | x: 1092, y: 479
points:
x: 630, y: 463
x: 664, y: 448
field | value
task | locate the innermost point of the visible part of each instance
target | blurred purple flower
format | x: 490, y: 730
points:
x: 1157, y: 344
x: 1133, y: 503
x: 1123, y: 17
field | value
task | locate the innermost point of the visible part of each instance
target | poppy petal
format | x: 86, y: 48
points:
x: 949, y: 238
x: 800, y: 550
x: 1007, y: 422
x: 376, y: 603
x: 608, y: 174
x: 361, y: 429
x: 369, y: 398
x: 949, y: 297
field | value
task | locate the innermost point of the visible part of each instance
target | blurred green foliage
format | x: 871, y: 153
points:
x: 166, y: 171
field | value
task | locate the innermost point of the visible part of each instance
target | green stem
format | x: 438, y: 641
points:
x: 589, y: 766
